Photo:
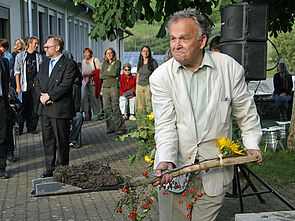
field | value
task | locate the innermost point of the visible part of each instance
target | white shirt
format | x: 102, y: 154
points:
x: 51, y: 67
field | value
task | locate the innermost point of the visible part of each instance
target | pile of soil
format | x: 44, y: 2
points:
x: 88, y: 175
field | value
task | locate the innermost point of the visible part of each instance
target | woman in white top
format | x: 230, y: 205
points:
x: 89, y: 64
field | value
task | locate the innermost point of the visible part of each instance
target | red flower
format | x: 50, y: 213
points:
x: 189, y: 216
x: 119, y: 210
x: 180, y: 201
x: 155, y: 147
x: 184, y: 194
x: 144, y: 173
x: 192, y: 190
x: 189, y: 158
x: 194, y: 199
x: 125, y: 190
x: 198, y: 177
x: 165, y: 192
x: 200, y: 194
x: 150, y: 201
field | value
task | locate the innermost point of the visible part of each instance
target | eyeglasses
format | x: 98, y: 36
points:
x: 47, y: 47
x: 127, y: 69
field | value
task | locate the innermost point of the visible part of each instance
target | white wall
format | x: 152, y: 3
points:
x: 14, y: 17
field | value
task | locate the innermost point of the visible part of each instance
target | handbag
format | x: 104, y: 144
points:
x: 96, y: 79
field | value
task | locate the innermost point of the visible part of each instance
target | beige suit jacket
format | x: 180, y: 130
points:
x: 175, y: 131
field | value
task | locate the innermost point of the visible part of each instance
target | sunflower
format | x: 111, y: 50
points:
x: 228, y: 147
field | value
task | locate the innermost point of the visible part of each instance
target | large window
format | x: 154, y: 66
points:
x: 4, y: 23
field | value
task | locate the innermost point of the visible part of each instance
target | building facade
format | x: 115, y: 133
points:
x: 22, y: 18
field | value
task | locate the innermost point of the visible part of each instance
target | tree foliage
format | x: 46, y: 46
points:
x: 286, y: 47
x: 111, y: 15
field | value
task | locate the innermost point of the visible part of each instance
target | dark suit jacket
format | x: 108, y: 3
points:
x: 77, y: 98
x: 4, y: 69
x: 58, y: 86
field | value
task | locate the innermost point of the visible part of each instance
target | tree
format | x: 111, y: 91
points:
x: 286, y: 47
x: 112, y: 15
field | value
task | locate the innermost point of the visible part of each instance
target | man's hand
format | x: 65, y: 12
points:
x: 18, y: 90
x: 44, y: 98
x: 283, y: 94
x: 253, y: 151
x: 162, y: 166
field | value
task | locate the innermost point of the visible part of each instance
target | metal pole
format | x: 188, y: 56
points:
x: 30, y: 18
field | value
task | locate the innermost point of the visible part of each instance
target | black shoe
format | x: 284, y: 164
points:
x: 47, y: 173
x: 110, y: 132
x: 3, y: 174
x: 11, y: 157
x: 33, y: 131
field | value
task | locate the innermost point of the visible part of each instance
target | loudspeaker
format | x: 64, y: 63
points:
x: 251, y: 55
x: 244, y: 22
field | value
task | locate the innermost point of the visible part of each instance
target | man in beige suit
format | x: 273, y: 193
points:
x: 194, y: 95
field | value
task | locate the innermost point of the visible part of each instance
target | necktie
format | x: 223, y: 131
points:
x: 51, y: 66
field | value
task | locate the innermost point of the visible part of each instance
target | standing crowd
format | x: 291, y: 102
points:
x: 51, y: 87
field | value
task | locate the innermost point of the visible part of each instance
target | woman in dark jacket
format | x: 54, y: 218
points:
x: 283, y: 86
x: 110, y: 74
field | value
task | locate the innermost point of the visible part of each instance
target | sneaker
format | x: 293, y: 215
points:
x: 11, y: 157
x: 76, y: 145
x: 132, y: 117
x: 125, y: 117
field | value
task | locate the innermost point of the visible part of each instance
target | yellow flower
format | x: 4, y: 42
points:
x: 151, y: 116
x: 147, y: 159
x: 228, y: 147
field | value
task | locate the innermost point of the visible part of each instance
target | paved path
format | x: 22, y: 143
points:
x: 16, y: 202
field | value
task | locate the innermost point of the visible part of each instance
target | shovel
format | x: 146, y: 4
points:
x: 207, y: 164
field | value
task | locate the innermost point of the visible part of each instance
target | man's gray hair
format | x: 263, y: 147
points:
x: 200, y: 20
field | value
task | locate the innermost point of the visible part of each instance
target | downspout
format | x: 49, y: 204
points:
x: 30, y: 20
x: 66, y: 30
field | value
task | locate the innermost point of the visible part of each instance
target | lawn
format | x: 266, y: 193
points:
x: 278, y: 168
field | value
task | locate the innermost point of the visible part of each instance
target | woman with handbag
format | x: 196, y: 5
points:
x: 110, y: 74
x: 90, y: 65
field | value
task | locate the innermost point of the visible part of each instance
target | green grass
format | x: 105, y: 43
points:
x: 277, y: 168
x: 145, y: 34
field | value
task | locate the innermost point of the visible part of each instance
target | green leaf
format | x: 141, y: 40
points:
x: 162, y: 31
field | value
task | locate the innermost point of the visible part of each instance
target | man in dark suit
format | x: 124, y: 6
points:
x: 53, y: 86
x: 6, y: 140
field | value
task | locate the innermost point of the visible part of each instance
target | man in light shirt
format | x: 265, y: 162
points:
x: 194, y: 95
